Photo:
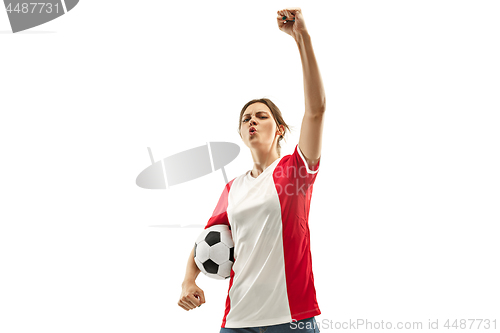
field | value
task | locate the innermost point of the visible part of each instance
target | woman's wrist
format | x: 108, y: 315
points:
x: 188, y: 281
x: 302, y: 37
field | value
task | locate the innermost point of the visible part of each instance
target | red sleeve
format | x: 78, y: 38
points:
x: 219, y: 216
x: 295, y: 168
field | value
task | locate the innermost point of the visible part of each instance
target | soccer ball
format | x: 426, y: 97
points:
x: 214, y: 252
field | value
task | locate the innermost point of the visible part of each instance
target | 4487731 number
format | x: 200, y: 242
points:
x: 31, y: 7
x: 471, y: 324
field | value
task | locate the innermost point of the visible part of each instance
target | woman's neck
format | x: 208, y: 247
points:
x: 262, y: 159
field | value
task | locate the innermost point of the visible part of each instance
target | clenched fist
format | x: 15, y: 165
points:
x: 291, y: 21
x: 191, y: 296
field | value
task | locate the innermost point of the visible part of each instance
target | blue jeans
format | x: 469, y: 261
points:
x: 308, y: 325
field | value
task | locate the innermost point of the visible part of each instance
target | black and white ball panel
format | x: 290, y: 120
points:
x: 214, y: 252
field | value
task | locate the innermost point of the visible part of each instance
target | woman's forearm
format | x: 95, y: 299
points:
x: 314, y: 93
x: 192, y: 270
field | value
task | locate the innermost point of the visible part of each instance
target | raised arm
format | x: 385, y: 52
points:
x: 311, y: 131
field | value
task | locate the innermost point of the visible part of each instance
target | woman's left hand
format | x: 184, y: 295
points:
x: 294, y: 28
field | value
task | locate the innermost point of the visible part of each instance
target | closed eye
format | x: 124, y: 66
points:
x: 244, y: 120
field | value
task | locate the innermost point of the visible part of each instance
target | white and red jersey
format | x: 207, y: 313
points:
x: 271, y: 279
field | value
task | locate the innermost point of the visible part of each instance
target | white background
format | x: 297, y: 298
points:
x: 405, y: 211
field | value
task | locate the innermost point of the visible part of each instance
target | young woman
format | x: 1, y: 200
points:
x: 271, y: 286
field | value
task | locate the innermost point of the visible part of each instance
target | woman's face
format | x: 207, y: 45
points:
x: 259, y: 116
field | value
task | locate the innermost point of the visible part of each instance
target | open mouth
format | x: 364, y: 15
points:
x: 252, y: 130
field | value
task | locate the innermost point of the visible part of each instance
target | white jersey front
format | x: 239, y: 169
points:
x: 271, y: 279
